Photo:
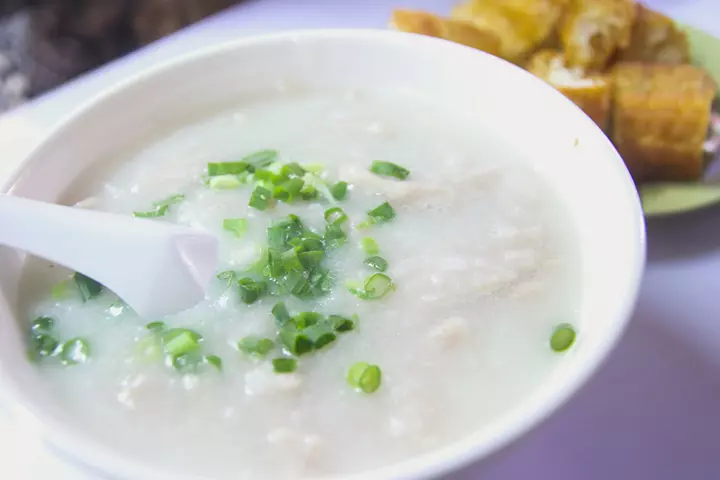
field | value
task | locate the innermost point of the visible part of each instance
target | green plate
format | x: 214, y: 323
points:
x: 670, y: 198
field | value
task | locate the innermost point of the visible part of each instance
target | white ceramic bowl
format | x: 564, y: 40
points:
x: 565, y: 145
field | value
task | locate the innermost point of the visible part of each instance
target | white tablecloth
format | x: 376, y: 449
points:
x: 650, y: 413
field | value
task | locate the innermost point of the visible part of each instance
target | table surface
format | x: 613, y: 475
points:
x: 649, y: 413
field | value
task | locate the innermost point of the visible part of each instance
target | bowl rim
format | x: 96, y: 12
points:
x: 457, y: 454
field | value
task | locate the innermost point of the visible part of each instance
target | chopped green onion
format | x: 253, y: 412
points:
x: 291, y: 260
x: 225, y: 182
x: 250, y: 290
x: 388, y: 169
x: 314, y: 183
x: 289, y: 190
x: 162, y: 207
x: 156, y: 327
x: 382, y: 213
x: 311, y: 259
x: 292, y: 169
x: 261, y: 159
x: 227, y: 275
x: 281, y: 314
x: 284, y: 365
x: 378, y: 285
x: 185, y: 362
x: 370, y: 379
x: 257, y: 346
x: 321, y: 335
x: 335, y: 216
x: 313, y: 167
x: 237, y: 226
x: 365, y: 377
x: 42, y: 325
x: 305, y: 320
x: 260, y: 199
x: 75, y: 351
x: 562, y: 338
x: 43, y: 345
x: 217, y: 169
x: 87, y: 287
x: 369, y: 245
x: 297, y: 343
x: 339, y: 190
x: 213, y: 360
x: 334, y: 236
x: 355, y: 373
x: 179, y: 341
x: 377, y: 263
x: 341, y: 324
x: 61, y: 289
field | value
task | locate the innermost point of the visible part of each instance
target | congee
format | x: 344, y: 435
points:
x: 391, y: 280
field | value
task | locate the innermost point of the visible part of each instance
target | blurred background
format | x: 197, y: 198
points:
x: 44, y: 43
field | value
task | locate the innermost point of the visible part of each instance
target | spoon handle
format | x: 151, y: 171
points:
x: 156, y: 267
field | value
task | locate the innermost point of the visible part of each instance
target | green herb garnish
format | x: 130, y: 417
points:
x: 563, y: 337
x: 364, y: 377
x: 236, y: 226
x: 388, y: 169
x: 87, y: 287
x: 382, y: 213
x: 179, y: 341
x: 213, y: 360
x: 377, y: 263
x: 250, y: 290
x: 75, y: 351
x: 256, y: 346
x: 376, y: 286
x: 156, y: 327
x: 369, y: 245
x: 296, y: 342
x: 341, y: 324
x: 162, y: 207
x: 284, y: 365
x: 339, y: 190
x: 335, y: 216
x: 260, y: 199
x: 217, y: 169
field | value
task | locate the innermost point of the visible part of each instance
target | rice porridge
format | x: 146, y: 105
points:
x: 390, y: 281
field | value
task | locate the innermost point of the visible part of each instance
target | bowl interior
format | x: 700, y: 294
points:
x: 490, y: 94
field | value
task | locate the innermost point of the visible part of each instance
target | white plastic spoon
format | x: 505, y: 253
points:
x: 157, y: 268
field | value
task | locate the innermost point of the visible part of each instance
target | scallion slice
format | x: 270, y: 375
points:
x: 281, y: 314
x: 257, y: 346
x: 284, y: 365
x: 225, y: 182
x: 261, y: 159
x: 321, y: 335
x: 87, y: 287
x: 305, y: 320
x: 377, y: 263
x: 42, y: 325
x: 297, y: 343
x: 42, y: 345
x: 388, y: 169
x: 179, y: 341
x: 335, y: 216
x: 365, y: 377
x: 341, y: 324
x: 250, y: 290
x: 236, y: 226
x: 217, y: 169
x: 375, y: 287
x: 382, y: 213
x: 289, y: 191
x: 563, y: 337
x: 369, y: 245
x: 334, y: 236
x: 162, y: 207
x: 339, y: 190
x: 213, y: 360
x: 261, y: 198
x: 156, y: 327
x: 75, y: 351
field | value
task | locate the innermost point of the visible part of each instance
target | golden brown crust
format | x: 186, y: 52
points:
x: 593, y: 30
x: 521, y: 25
x: 589, y: 92
x: 655, y: 39
x: 458, y: 31
x: 660, y: 119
